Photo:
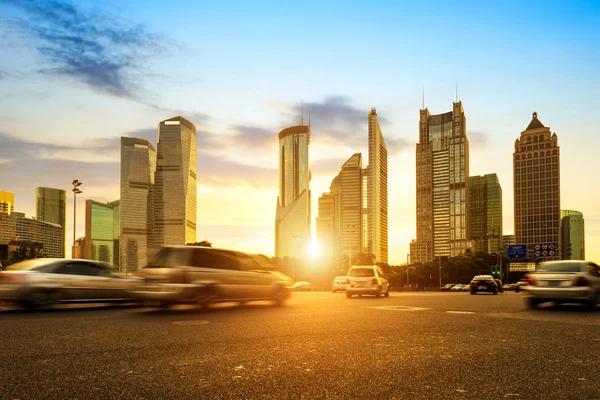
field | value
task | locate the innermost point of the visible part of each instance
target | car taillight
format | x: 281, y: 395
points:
x: 473, y: 282
x: 142, y: 273
x: 374, y: 282
x: 178, y: 276
x: 528, y: 280
x: 12, y: 277
x: 581, y: 281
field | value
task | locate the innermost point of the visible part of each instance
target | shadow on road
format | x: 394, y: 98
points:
x: 228, y: 308
x: 65, y: 308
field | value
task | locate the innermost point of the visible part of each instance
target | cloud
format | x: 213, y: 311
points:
x: 217, y: 171
x: 328, y: 166
x: 252, y: 137
x: 99, y: 50
x: 477, y: 140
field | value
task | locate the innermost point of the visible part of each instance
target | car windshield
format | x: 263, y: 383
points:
x: 562, y: 266
x: 361, y: 272
x: 167, y: 258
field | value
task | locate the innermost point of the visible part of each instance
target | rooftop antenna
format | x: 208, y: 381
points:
x: 302, y: 118
x: 309, y: 117
x: 457, y: 91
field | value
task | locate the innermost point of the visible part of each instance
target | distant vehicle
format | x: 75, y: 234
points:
x: 564, y: 282
x: 447, y: 287
x: 340, y: 283
x: 44, y: 282
x: 367, y: 279
x: 302, y: 286
x: 509, y: 286
x: 466, y: 288
x: 521, y: 285
x: 483, y: 283
x: 205, y: 275
x: 457, y: 287
x: 500, y: 285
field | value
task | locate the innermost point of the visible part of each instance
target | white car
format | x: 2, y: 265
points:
x: 564, y: 282
x: 457, y: 288
x: 367, y: 279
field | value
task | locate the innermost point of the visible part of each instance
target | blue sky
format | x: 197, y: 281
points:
x: 76, y: 76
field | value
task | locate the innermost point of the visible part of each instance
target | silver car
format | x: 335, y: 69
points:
x: 367, y: 279
x: 204, y: 275
x: 45, y: 281
x: 564, y: 282
x: 340, y: 283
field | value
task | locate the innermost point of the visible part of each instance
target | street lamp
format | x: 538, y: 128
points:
x: 76, y: 191
x: 407, y: 268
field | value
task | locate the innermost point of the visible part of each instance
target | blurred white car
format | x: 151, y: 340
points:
x: 457, y: 288
x: 340, y: 283
x: 367, y: 279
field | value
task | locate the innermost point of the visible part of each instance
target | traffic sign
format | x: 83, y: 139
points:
x: 517, y: 251
x: 522, y: 266
x: 545, y: 250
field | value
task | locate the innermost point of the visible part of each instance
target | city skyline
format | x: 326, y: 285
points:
x: 49, y: 138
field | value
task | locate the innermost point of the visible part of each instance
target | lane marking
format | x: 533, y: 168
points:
x: 192, y: 322
x: 460, y: 312
x: 401, y: 308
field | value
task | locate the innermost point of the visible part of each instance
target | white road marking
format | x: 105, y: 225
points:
x: 192, y: 322
x: 401, y: 308
x: 460, y: 312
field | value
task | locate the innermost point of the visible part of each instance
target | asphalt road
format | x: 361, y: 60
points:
x: 318, y: 346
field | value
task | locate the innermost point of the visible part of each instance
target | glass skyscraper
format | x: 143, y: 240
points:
x: 102, y: 231
x: 51, y: 207
x: 175, y: 183
x: 536, y: 165
x: 377, y: 192
x: 572, y: 235
x: 442, y: 160
x: 485, y: 209
x: 351, y: 235
x: 138, y: 166
x: 293, y: 214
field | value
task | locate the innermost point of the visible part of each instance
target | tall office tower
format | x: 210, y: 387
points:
x: 102, y: 231
x: 351, y: 178
x: 16, y: 228
x: 536, y: 162
x: 175, y: 183
x: 7, y: 202
x: 572, y: 227
x: 442, y: 159
x: 326, y: 225
x: 51, y: 207
x: 292, y: 218
x: 377, y: 192
x: 507, y: 240
x: 485, y: 213
x: 138, y: 166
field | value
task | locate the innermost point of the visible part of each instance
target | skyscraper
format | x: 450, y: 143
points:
x: 102, y: 231
x: 485, y: 213
x: 329, y: 220
x: 442, y: 159
x: 138, y: 166
x: 7, y: 202
x: 536, y: 165
x: 377, y: 188
x: 51, y: 207
x: 572, y: 235
x: 293, y: 215
x: 351, y: 234
x: 175, y: 183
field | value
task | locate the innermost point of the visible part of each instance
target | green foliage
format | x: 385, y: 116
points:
x: 204, y: 243
x: 28, y: 251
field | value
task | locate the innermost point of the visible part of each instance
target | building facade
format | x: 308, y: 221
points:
x: 572, y: 235
x: 442, y: 181
x: 7, y: 202
x: 351, y: 213
x: 507, y: 240
x: 377, y: 192
x: 485, y: 213
x: 175, y: 183
x: 16, y: 227
x: 138, y: 168
x: 102, y: 231
x: 536, y: 168
x: 326, y: 225
x: 293, y: 211
x: 51, y: 206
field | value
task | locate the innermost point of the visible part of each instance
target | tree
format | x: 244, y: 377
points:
x: 204, y: 243
x: 27, y: 251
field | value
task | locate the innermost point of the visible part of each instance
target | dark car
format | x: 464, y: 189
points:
x: 484, y: 283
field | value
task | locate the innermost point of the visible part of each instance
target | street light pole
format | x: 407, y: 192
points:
x: 440, y: 266
x: 407, y: 269
x: 76, y: 191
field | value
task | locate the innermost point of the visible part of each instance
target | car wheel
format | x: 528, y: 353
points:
x: 207, y: 298
x: 495, y: 292
x: 348, y: 295
x: 473, y: 292
x: 387, y: 293
x: 532, y: 302
x: 517, y: 289
x: 40, y: 299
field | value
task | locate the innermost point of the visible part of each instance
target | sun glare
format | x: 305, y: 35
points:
x: 315, y: 250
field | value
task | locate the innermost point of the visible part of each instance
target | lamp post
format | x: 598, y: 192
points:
x: 76, y: 191
x: 407, y: 269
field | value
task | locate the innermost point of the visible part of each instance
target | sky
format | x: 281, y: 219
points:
x: 76, y: 76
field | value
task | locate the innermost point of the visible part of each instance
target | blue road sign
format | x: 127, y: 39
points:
x: 545, y: 250
x: 517, y: 251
